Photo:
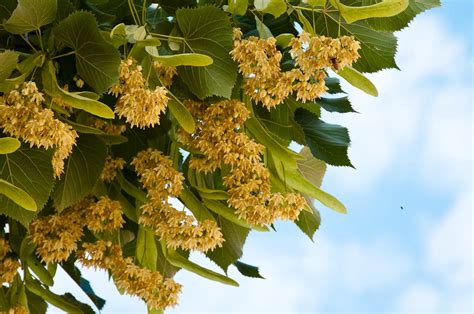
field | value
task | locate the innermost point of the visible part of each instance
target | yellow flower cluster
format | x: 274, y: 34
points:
x: 8, y: 265
x: 57, y: 235
x: 158, y: 292
x: 18, y: 309
x: 259, y: 62
x: 110, y: 168
x: 313, y: 53
x: 165, y: 73
x: 109, y: 128
x: 176, y: 228
x: 22, y: 116
x: 219, y: 136
x: 104, y: 215
x: 139, y: 105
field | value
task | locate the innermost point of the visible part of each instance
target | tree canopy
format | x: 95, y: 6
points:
x: 134, y: 132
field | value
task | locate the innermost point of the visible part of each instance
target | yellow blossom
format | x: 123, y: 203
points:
x: 8, y: 265
x: 158, y: 292
x: 176, y: 228
x: 22, y: 116
x: 110, y: 168
x: 56, y: 235
x: 104, y: 215
x: 220, y: 138
x: 139, y: 105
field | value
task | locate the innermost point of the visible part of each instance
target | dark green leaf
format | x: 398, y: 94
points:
x: 340, y: 104
x: 81, y: 171
x: 83, y: 283
x: 213, y: 38
x: 248, y: 270
x: 231, y: 249
x: 36, y: 304
x: 172, y: 5
x: 401, y: 20
x: 97, y: 61
x: 328, y: 142
x: 333, y: 85
x: 30, y: 15
x: 29, y: 169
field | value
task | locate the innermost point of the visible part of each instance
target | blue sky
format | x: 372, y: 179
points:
x: 412, y: 147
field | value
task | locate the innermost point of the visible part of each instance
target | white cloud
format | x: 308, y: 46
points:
x: 303, y: 277
x: 422, y: 115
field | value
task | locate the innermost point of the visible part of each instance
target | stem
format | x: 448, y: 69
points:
x: 144, y: 12
x: 163, y: 36
x: 131, y: 5
x: 64, y: 55
x: 28, y: 42
x: 38, y: 33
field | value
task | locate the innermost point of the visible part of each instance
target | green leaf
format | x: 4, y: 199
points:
x: 182, y: 115
x: 81, y: 172
x: 311, y: 168
x: 97, y: 61
x: 308, y: 221
x: 333, y: 85
x: 40, y: 271
x: 358, y: 80
x: 294, y: 104
x: 307, y: 26
x: 200, y: 212
x: 73, y: 99
x: 8, y: 60
x: 25, y: 67
x: 237, y: 7
x: 30, y: 170
x: 231, y: 249
x: 248, y: 270
x: 262, y: 29
x: 58, y: 301
x: 17, y: 195
x: 229, y: 214
x: 259, y: 132
x: 340, y: 104
x: 328, y: 142
x: 213, y: 38
x: 378, y: 48
x: 292, y: 177
x: 178, y: 260
x: 283, y: 40
x: 182, y: 59
x: 384, y: 8
x: 9, y: 145
x: 401, y: 20
x: 315, y: 3
x: 146, y: 251
x: 273, y: 7
x: 30, y: 15
x: 36, y: 304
